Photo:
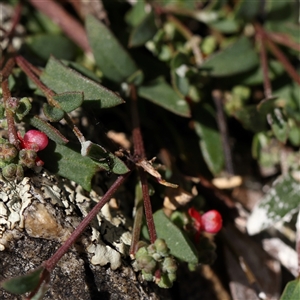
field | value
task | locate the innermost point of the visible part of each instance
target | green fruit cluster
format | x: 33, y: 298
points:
x: 156, y: 264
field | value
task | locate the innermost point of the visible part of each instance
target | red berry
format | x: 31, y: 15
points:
x: 35, y: 140
x: 212, y: 221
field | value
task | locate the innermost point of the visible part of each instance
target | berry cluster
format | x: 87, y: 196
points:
x: 156, y: 263
x: 12, y: 161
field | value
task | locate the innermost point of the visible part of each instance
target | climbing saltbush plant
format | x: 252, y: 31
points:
x: 207, y: 86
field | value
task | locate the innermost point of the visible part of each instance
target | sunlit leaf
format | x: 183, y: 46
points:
x: 69, y: 101
x: 50, y: 131
x: 68, y: 163
x: 162, y: 94
x: 62, y: 79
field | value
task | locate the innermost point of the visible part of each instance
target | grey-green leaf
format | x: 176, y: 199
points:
x: 237, y: 58
x: 210, y: 139
x: 68, y: 163
x: 50, y: 131
x: 62, y: 79
x: 44, y: 45
x: 279, y: 204
x: 69, y: 101
x: 162, y: 94
x: 112, y: 59
x: 292, y: 290
x: 179, y: 244
x: 53, y: 114
x: 279, y: 124
x: 23, y: 284
x: 143, y: 32
x: 105, y: 159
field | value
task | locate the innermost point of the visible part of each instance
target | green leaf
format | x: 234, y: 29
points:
x: 23, y: 284
x: 44, y: 45
x: 179, y: 69
x: 112, y: 59
x: 237, y: 58
x: 50, y: 131
x: 292, y: 290
x: 68, y: 163
x: 161, y: 93
x: 69, y: 101
x: 53, y: 114
x: 247, y: 9
x: 62, y: 79
x: 136, y: 14
x: 106, y: 160
x: 210, y: 139
x: 251, y: 118
x: 279, y: 204
x: 179, y: 244
x: 144, y: 31
x: 227, y: 25
x: 279, y: 125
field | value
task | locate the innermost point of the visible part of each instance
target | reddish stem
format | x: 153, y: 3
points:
x: 15, y: 22
x: 284, y: 61
x: 147, y: 206
x: 12, y: 132
x: 72, y: 28
x: 51, y: 262
x: 27, y: 68
x: 264, y: 62
x: 284, y: 40
x: 139, y: 152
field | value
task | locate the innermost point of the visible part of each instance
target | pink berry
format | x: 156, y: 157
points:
x: 35, y: 140
x: 212, y: 221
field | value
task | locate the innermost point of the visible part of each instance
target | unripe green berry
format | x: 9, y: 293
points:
x: 172, y: 277
x: 147, y: 276
x: 169, y: 265
x: 151, y: 249
x: 164, y: 282
x: 141, y: 252
x: 161, y: 247
x: 146, y: 263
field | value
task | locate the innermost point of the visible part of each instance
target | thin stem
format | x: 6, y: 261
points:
x: 284, y: 61
x: 193, y: 39
x: 138, y: 143
x: 31, y: 72
x: 51, y: 262
x: 222, y: 124
x: 72, y: 28
x: 264, y: 62
x: 283, y: 40
x: 147, y: 206
x: 9, y: 102
x: 139, y: 152
x: 138, y: 218
x: 15, y: 22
